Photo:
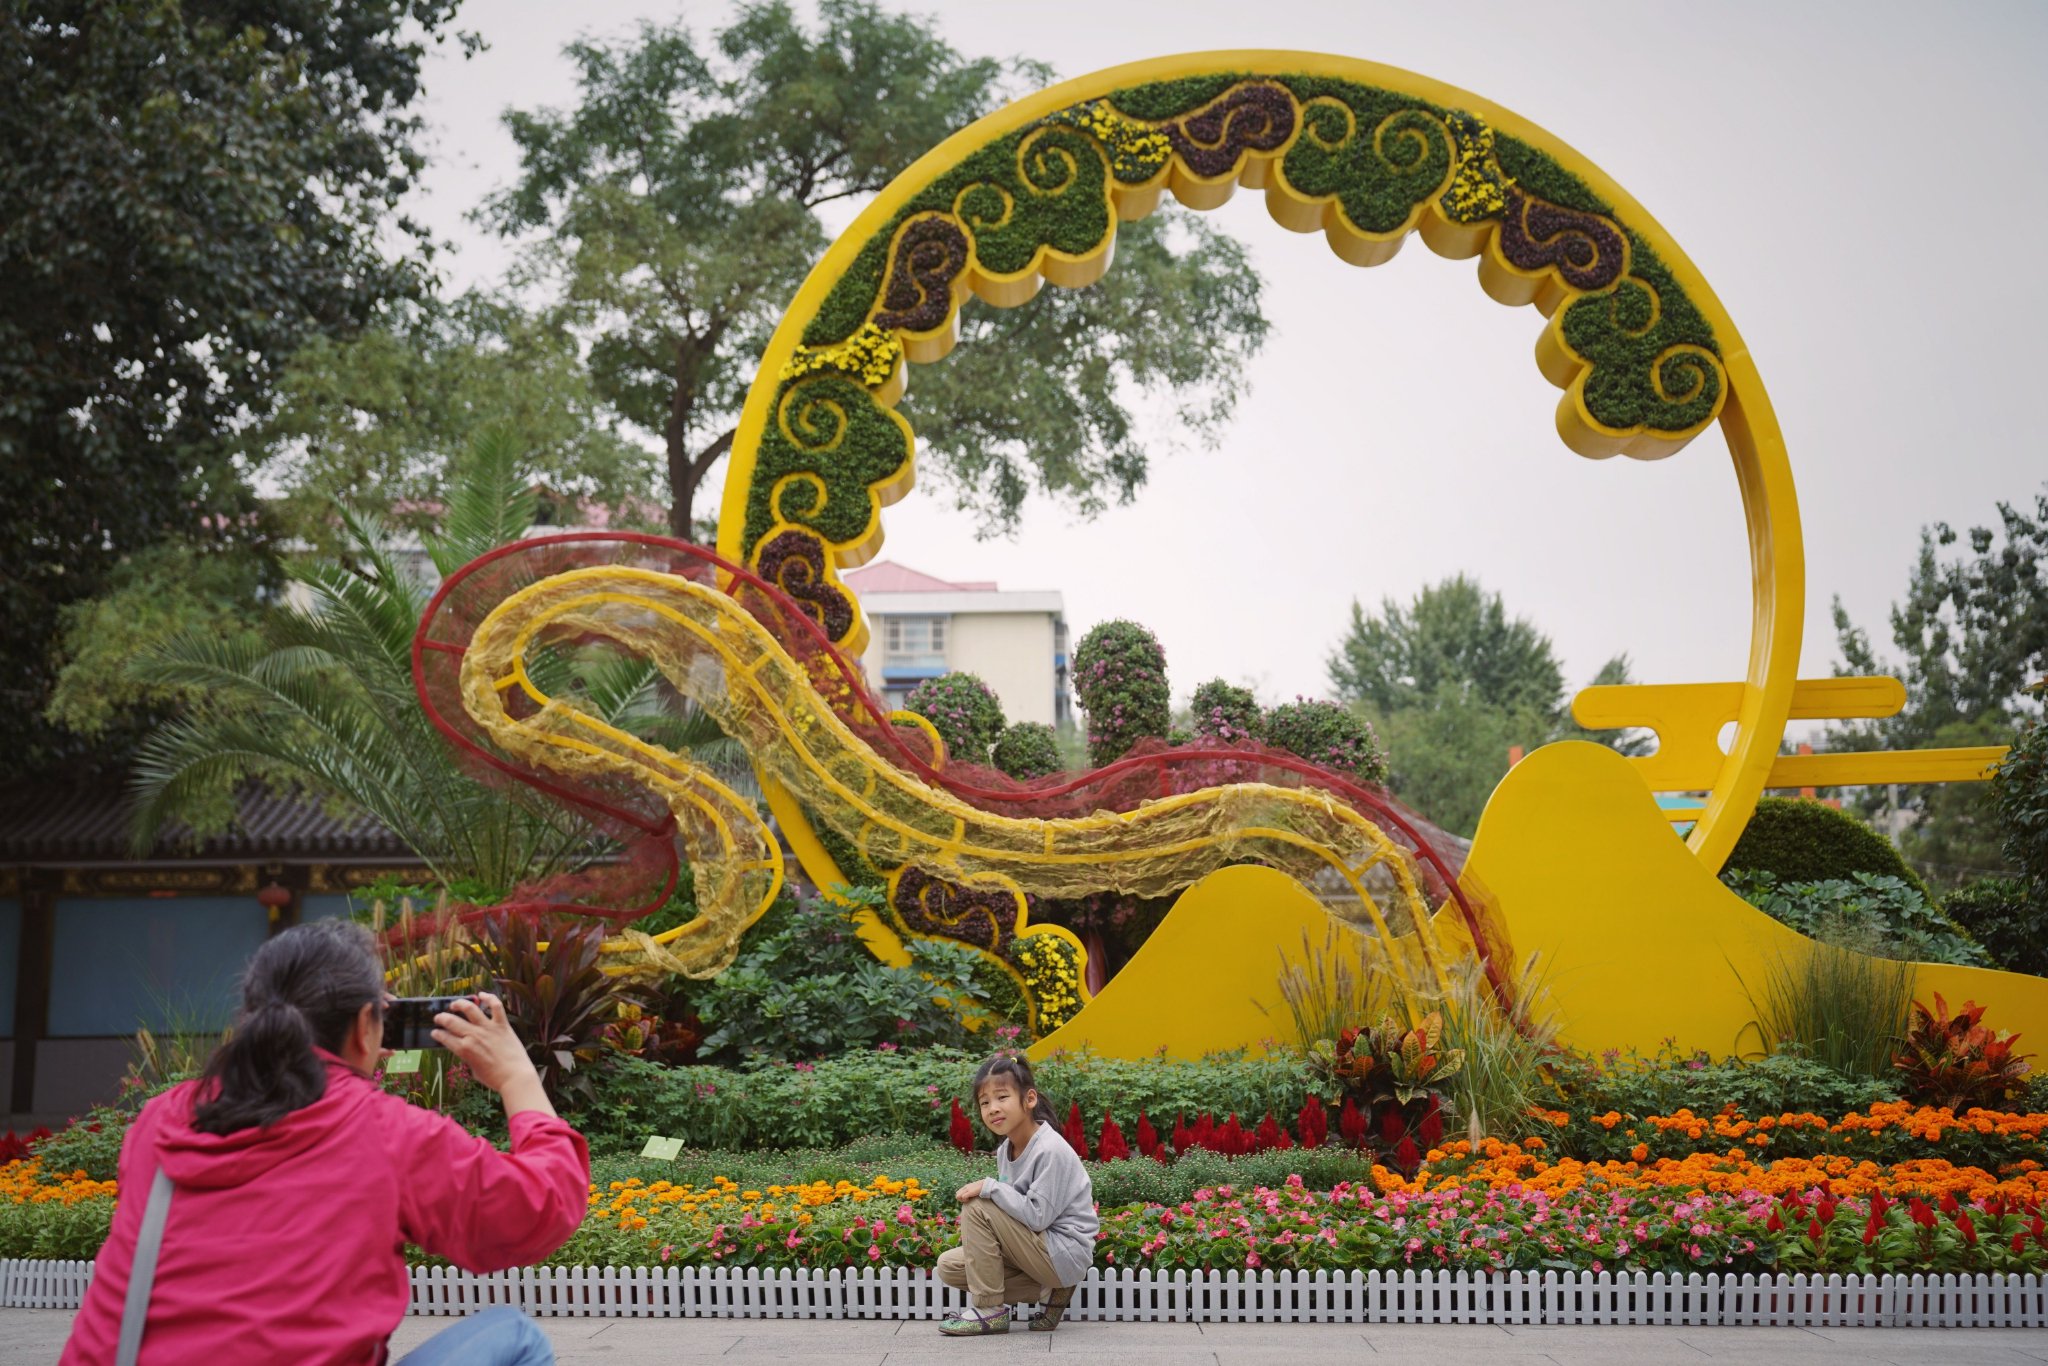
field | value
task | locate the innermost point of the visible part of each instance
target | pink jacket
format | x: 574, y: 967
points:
x: 285, y: 1244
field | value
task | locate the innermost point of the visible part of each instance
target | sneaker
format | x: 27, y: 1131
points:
x: 971, y: 1323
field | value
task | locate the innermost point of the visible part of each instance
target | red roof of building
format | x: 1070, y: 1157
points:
x: 887, y: 576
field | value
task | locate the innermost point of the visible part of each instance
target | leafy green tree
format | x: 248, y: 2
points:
x: 323, y: 700
x: 1452, y: 682
x: 675, y: 210
x: 191, y: 191
x: 1971, y: 635
x: 1444, y: 759
x: 1454, y: 635
x: 2021, y: 792
x: 161, y: 592
x: 385, y: 418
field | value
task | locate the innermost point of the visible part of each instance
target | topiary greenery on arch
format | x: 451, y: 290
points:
x: 1225, y: 712
x: 1028, y: 749
x: 963, y: 710
x: 1120, y: 681
x: 1329, y: 734
x: 1800, y: 840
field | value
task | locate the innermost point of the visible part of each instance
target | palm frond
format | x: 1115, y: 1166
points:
x: 490, y: 505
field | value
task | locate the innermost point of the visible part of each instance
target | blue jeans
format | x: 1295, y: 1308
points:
x: 497, y: 1337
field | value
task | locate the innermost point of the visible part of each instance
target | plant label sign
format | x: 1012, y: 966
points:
x: 402, y: 1062
x: 666, y: 1149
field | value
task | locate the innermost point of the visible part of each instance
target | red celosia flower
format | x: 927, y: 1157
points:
x: 1112, y: 1147
x: 1969, y: 1229
x: 962, y: 1133
x: 1076, y: 1136
x: 1432, y: 1127
x: 1148, y: 1138
x: 1313, y: 1122
x: 1774, y: 1223
x: 1351, y: 1124
x: 1234, y: 1141
x: 1183, y: 1137
x: 1816, y: 1232
x: 1407, y: 1156
x: 1267, y: 1135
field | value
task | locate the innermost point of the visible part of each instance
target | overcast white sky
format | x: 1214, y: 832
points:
x: 1855, y: 180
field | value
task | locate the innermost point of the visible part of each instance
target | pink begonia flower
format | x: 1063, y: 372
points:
x: 874, y: 1253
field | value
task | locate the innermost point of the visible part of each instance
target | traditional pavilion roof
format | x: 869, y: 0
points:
x: 49, y: 823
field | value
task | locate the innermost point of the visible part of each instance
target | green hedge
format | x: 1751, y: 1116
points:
x: 835, y: 1100
x: 1999, y: 915
x: 1798, y: 840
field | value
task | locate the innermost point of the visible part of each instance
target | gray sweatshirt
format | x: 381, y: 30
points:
x: 1046, y: 1189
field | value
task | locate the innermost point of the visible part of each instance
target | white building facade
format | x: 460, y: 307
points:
x: 921, y: 627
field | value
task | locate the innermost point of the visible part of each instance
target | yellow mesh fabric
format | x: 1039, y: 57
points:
x: 718, y: 655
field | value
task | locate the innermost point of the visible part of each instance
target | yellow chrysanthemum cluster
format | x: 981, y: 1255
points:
x: 1478, y: 187
x: 870, y: 355
x: 1137, y: 151
x: 724, y: 1201
x: 1048, y: 966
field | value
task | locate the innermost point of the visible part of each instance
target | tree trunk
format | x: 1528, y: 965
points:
x: 685, y: 473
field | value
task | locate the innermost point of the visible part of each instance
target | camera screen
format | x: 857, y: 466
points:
x: 409, y: 1020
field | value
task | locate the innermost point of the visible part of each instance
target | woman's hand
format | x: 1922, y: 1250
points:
x: 968, y: 1191
x: 481, y: 1038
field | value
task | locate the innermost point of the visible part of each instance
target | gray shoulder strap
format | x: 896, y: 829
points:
x: 142, y: 1274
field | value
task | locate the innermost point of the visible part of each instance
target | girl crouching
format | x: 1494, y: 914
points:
x: 1027, y: 1234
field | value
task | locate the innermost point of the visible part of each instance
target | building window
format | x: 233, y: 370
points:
x: 913, y: 644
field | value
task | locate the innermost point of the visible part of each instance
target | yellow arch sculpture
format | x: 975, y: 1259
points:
x: 1575, y: 854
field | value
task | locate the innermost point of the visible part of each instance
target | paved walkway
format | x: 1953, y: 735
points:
x: 29, y: 1336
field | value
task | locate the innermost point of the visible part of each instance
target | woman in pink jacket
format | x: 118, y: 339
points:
x: 295, y: 1182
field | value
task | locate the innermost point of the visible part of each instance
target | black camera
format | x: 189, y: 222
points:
x: 409, y: 1020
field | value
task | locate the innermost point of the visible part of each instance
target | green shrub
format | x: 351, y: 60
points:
x: 1328, y: 734
x: 1028, y: 749
x: 1797, y: 840
x: 1223, y: 711
x: 1892, y: 914
x: 1999, y: 915
x: 838, y: 1099
x: 1120, y: 682
x: 965, y: 713
x: 805, y: 986
x: 1780, y: 1082
x: 90, y: 1144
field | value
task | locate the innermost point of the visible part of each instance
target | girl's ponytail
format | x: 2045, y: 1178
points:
x: 303, y: 988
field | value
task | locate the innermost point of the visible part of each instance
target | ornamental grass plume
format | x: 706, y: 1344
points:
x: 1837, y: 1000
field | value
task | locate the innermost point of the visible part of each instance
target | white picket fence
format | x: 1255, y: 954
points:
x: 1125, y: 1296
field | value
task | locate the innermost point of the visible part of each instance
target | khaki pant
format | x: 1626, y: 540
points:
x: 999, y: 1260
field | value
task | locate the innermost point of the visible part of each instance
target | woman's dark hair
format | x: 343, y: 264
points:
x: 304, y: 987
x: 1013, y: 1068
